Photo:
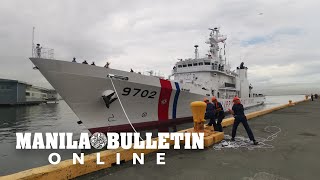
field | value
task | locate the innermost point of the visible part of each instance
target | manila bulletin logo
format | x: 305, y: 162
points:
x: 110, y: 141
x: 98, y: 140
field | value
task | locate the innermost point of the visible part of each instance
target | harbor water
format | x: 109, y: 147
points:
x: 56, y: 118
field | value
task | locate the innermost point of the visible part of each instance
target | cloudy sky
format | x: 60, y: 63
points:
x: 277, y: 40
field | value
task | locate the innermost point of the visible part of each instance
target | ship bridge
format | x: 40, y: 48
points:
x: 202, y: 65
x: 215, y: 61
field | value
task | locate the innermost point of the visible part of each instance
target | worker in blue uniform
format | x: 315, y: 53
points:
x: 238, y: 112
x: 219, y: 113
x: 210, y: 114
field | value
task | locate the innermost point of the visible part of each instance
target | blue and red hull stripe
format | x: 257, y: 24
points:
x: 164, y: 100
x: 175, y: 102
x: 163, y: 103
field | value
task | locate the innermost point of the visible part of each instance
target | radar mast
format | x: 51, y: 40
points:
x: 214, y: 40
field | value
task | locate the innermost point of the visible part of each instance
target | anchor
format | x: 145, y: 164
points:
x: 108, y: 99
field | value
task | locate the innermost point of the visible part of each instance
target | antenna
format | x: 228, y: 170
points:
x: 32, y: 53
x: 224, y: 49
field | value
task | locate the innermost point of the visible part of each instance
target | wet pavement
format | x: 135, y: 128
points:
x: 290, y: 150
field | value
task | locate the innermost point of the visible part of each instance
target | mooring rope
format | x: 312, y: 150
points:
x: 124, y: 111
x: 242, y: 142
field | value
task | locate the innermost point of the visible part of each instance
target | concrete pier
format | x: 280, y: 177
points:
x: 294, y: 154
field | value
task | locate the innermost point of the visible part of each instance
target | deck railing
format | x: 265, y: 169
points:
x: 46, y: 53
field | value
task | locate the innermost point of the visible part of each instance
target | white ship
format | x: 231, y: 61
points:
x: 111, y: 100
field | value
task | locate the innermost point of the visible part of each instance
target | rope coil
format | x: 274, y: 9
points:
x: 242, y: 142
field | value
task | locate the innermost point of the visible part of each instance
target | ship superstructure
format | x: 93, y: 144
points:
x: 211, y: 73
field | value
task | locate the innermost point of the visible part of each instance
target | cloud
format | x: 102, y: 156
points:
x: 271, y: 37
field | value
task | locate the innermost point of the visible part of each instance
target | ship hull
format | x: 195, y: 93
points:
x: 102, y: 97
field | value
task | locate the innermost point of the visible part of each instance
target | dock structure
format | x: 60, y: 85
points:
x: 291, y: 154
x: 14, y: 92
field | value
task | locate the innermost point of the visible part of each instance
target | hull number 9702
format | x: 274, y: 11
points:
x: 138, y: 92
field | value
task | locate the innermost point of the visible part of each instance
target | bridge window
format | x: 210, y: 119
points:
x: 189, y: 65
x: 200, y: 63
x: 184, y: 65
x: 206, y: 63
x: 179, y: 66
x: 229, y: 85
x: 195, y: 64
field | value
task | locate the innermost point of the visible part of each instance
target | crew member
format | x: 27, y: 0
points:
x: 239, y: 117
x: 107, y: 65
x: 219, y: 113
x: 38, y: 49
x: 210, y: 113
x: 311, y: 97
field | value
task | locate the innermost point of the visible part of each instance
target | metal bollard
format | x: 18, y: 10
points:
x: 198, y: 109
